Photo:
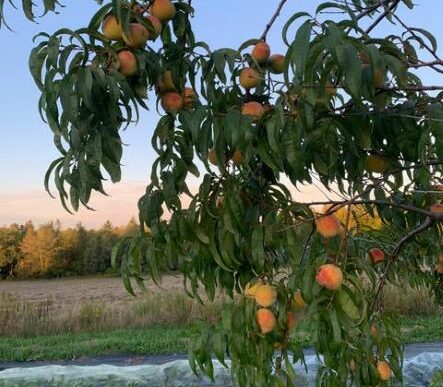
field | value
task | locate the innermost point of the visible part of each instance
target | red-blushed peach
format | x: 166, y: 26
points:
x: 329, y: 276
x: 249, y: 78
x: 328, y: 226
x: 172, y: 102
x: 128, y: 65
x: 137, y: 37
x: 261, y: 52
x: 158, y: 26
x: 189, y: 97
x: 253, y: 109
x: 266, y: 320
x: 265, y: 295
x: 384, y: 370
x: 112, y: 30
x: 163, y: 10
x: 376, y: 255
x: 277, y: 63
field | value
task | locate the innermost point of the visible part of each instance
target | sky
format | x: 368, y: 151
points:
x: 26, y: 147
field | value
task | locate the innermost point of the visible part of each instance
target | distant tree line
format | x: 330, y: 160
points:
x: 27, y: 251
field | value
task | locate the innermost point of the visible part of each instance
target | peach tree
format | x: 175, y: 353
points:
x: 342, y: 108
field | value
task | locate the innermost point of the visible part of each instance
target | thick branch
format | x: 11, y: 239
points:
x: 271, y: 22
x: 341, y: 203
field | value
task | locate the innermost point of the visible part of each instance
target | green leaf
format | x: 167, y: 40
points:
x: 289, y: 23
x: 300, y: 49
x: 428, y: 35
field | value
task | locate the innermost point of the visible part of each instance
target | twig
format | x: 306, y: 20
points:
x: 382, y: 16
x: 410, y: 88
x: 271, y: 22
x: 397, y: 250
x: 426, y: 64
x: 422, y: 42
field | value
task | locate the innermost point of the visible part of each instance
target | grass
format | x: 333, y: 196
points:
x: 158, y: 340
x: 70, y: 325
x: 154, y: 340
x: 25, y: 319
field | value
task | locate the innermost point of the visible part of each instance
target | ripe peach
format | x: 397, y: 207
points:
x: 166, y: 83
x: 376, y: 255
x: 441, y: 257
x: 128, y: 63
x: 253, y: 109
x: 189, y: 97
x: 249, y: 78
x: 291, y: 321
x: 439, y: 267
x: 112, y: 30
x: 298, y: 302
x: 276, y: 63
x: 157, y: 24
x: 265, y: 320
x: 328, y: 226
x: 384, y: 370
x: 237, y: 157
x: 265, y: 295
x: 251, y: 289
x: 261, y: 52
x: 172, y: 102
x: 163, y: 10
x: 377, y: 164
x: 138, y: 36
x: 329, y: 276
x: 436, y: 208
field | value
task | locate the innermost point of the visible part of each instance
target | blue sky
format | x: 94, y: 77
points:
x: 26, y: 147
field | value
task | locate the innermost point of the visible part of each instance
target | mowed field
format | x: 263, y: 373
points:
x: 73, y: 291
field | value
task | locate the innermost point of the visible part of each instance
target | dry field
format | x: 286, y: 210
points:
x: 73, y: 291
x: 73, y: 305
x: 36, y: 307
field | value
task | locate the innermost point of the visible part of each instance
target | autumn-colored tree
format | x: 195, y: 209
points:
x: 342, y: 106
x: 40, y: 249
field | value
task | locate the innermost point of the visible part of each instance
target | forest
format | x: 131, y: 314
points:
x: 49, y: 250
